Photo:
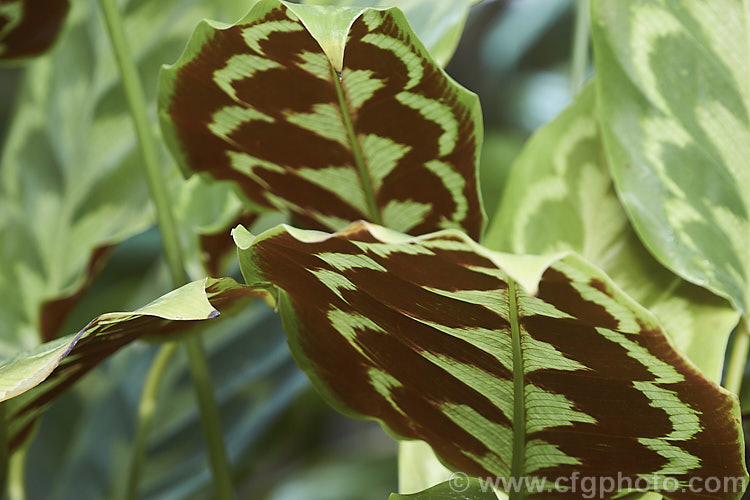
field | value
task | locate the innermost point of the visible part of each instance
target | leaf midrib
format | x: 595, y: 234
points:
x: 519, y: 411
x: 364, y: 177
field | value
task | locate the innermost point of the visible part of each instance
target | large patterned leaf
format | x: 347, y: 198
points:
x: 552, y: 372
x: 675, y: 110
x: 58, y: 364
x: 339, y: 116
x: 71, y: 182
x: 29, y: 27
x: 560, y: 197
x: 437, y: 24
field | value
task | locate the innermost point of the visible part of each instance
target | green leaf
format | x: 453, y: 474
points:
x: 459, y: 488
x: 674, y: 96
x: 445, y: 341
x: 58, y: 364
x: 206, y: 212
x: 560, y: 198
x: 437, y: 24
x: 383, y: 135
x: 418, y: 467
x: 71, y: 179
x: 29, y: 27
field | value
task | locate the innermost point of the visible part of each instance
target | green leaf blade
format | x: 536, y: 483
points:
x: 418, y: 333
x: 678, y: 134
x: 560, y: 197
x: 388, y: 138
x: 32, y: 379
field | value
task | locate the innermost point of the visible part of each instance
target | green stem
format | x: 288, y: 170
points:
x: 738, y: 357
x: 579, y: 59
x: 157, y: 185
x: 146, y: 412
x: 17, y: 474
x: 209, y: 417
x: 137, y: 102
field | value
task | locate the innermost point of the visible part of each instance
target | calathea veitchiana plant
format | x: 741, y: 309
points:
x: 506, y: 365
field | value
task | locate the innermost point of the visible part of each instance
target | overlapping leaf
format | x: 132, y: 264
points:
x: 331, y: 115
x: 58, y: 364
x: 560, y: 197
x: 675, y: 110
x: 431, y: 336
x: 71, y: 182
x: 29, y: 27
x: 437, y: 24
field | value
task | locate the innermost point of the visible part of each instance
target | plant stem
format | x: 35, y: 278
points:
x: 157, y: 185
x: 146, y: 412
x: 579, y: 57
x: 17, y: 474
x: 738, y: 357
x: 210, y: 418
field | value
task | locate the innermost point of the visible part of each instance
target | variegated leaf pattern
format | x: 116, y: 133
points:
x: 32, y: 380
x: 678, y: 134
x: 331, y: 130
x: 29, y: 27
x: 432, y: 337
x: 560, y: 198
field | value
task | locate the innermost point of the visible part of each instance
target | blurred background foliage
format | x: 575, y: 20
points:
x: 283, y: 441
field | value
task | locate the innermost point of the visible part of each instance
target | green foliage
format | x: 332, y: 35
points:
x: 675, y: 107
x: 560, y: 198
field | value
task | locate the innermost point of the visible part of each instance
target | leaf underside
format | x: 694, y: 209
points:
x: 32, y: 380
x: 29, y: 27
x: 429, y: 336
x: 387, y: 138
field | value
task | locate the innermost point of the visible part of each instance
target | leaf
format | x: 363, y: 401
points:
x: 560, y: 198
x: 677, y: 135
x: 437, y: 24
x: 71, y: 179
x: 432, y: 337
x: 61, y: 362
x: 461, y: 489
x: 418, y: 467
x: 261, y: 103
x: 29, y: 27
x: 206, y: 212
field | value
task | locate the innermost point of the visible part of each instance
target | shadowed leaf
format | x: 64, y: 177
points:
x: 35, y: 378
x: 672, y: 80
x: 560, y: 198
x: 376, y: 132
x: 29, y: 27
x: 432, y: 337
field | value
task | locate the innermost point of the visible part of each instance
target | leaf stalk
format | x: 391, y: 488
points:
x: 738, y: 357
x: 579, y: 56
x: 146, y: 412
x: 170, y: 239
